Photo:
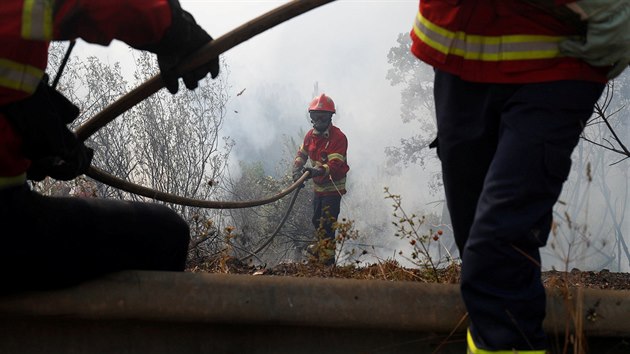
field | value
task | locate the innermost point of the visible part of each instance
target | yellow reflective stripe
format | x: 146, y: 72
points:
x: 330, y: 187
x: 18, y: 76
x: 37, y: 19
x: 486, y: 48
x: 336, y: 156
x: 472, y: 349
x: 12, y: 181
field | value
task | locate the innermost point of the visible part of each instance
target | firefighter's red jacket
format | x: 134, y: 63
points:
x: 27, y: 27
x: 502, y: 41
x: 326, y: 150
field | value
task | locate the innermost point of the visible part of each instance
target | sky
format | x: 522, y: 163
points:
x: 340, y: 48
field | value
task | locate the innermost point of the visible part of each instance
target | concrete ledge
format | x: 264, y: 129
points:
x: 163, y: 312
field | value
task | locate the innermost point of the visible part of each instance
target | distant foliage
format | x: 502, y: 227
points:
x: 167, y: 142
x: 417, y: 108
x: 256, y: 239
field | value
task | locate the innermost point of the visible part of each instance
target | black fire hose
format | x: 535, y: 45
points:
x: 116, y: 182
x: 277, y: 230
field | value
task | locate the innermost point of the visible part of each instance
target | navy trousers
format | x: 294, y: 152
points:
x: 325, y: 212
x: 52, y: 242
x: 505, y: 151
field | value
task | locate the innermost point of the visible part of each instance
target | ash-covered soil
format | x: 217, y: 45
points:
x: 392, y: 271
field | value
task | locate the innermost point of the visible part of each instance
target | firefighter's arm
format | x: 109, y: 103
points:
x: 159, y: 26
x: 298, y: 163
x: 336, y: 165
x: 41, y: 122
x: 607, y: 40
x: 135, y: 22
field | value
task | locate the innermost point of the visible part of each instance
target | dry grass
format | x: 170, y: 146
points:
x: 392, y: 271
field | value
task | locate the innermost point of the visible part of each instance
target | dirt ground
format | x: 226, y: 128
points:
x: 390, y: 270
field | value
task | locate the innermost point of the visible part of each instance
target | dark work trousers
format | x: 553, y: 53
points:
x: 325, y: 212
x: 505, y: 151
x: 52, y: 242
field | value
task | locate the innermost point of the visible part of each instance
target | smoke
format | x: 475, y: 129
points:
x: 342, y: 47
x: 341, y: 50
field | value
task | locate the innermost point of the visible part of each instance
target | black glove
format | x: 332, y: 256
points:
x: 182, y: 38
x: 297, y: 173
x: 315, y: 171
x: 41, y: 121
x: 74, y: 163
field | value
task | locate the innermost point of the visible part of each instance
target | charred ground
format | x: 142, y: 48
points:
x: 392, y: 271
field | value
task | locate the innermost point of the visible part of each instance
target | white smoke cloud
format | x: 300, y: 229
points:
x: 343, y: 48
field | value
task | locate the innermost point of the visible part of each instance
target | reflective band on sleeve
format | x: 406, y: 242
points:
x: 37, y: 19
x: 336, y: 156
x: 486, y: 48
x: 18, y: 76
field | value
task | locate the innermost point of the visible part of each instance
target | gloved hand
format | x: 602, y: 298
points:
x: 182, y: 38
x: 607, y: 40
x: 297, y: 173
x: 41, y: 121
x: 315, y: 171
x: 73, y: 163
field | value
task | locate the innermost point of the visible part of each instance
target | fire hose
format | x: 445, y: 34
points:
x: 277, y: 230
x: 116, y: 182
x: 207, y: 53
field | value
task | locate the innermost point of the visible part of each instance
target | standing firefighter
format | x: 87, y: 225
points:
x: 325, y: 145
x: 515, y: 82
x: 50, y: 242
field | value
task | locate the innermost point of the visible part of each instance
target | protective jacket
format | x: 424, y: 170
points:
x: 326, y: 150
x: 499, y: 41
x: 28, y: 26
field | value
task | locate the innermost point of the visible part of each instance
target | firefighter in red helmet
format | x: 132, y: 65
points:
x: 45, y: 241
x: 325, y: 146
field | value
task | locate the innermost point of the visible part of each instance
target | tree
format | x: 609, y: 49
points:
x: 417, y: 107
x: 590, y: 223
x: 167, y: 142
x: 590, y: 226
x: 258, y: 237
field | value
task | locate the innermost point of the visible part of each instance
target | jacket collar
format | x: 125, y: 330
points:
x: 325, y: 133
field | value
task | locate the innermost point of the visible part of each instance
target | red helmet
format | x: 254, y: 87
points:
x: 322, y: 103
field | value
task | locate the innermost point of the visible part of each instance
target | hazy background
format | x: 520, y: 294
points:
x: 341, y: 48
